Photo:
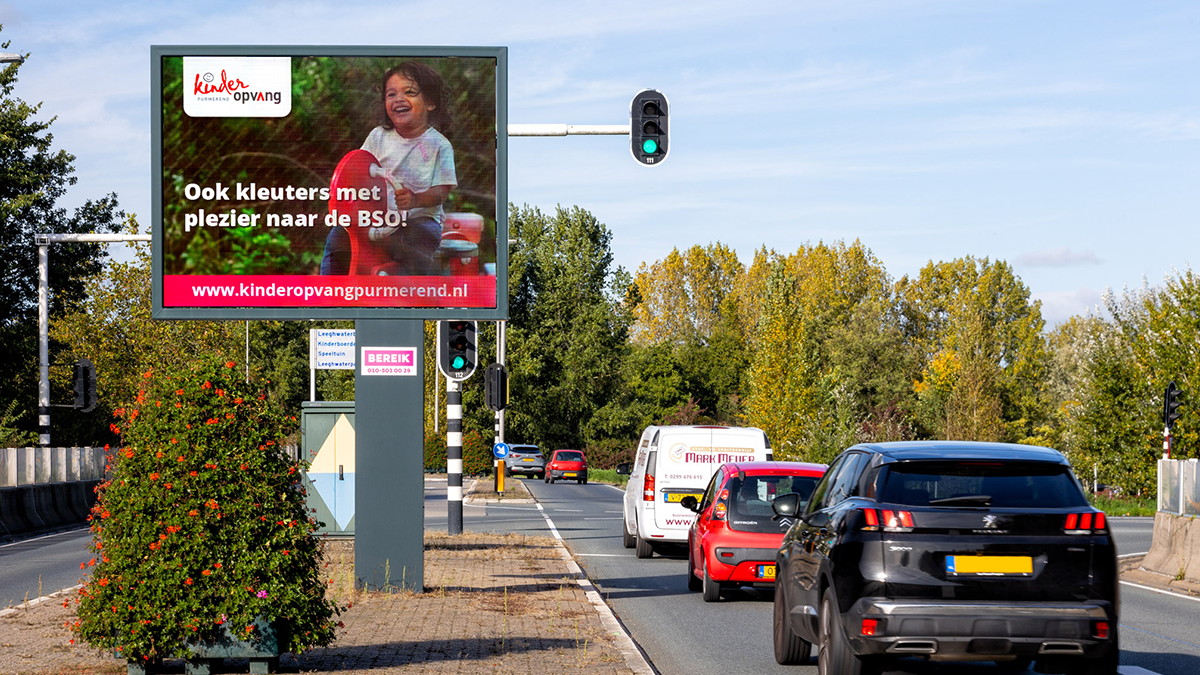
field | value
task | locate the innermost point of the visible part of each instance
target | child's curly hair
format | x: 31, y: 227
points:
x: 432, y: 86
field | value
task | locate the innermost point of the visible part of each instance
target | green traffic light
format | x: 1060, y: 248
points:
x: 458, y: 363
x: 649, y: 146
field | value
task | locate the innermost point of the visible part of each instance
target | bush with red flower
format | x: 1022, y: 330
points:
x: 203, y: 525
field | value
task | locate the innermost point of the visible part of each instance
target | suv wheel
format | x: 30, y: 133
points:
x: 833, y: 654
x: 643, y: 549
x: 694, y: 582
x: 790, y: 650
x: 711, y: 587
x: 627, y: 538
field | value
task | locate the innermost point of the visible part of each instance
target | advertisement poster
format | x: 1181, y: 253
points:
x: 329, y: 182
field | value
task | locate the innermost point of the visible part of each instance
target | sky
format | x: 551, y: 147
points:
x: 1060, y: 136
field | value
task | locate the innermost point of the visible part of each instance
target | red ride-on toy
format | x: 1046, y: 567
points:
x: 360, y: 174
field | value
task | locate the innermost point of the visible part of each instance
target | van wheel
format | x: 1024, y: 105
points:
x: 627, y: 538
x: 710, y: 586
x: 643, y: 549
x: 790, y: 650
x: 693, y: 580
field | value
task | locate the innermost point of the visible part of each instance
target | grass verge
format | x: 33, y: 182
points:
x: 1125, y: 506
x: 609, y: 476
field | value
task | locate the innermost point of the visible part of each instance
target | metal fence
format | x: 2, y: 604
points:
x: 1178, y: 490
x: 35, y: 466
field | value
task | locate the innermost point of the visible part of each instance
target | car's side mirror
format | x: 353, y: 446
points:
x: 786, y: 505
x: 690, y: 503
x: 816, y: 519
x: 623, y: 469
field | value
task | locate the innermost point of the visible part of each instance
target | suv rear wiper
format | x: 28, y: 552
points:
x: 963, y: 500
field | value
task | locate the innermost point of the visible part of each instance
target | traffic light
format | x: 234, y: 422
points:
x: 495, y: 387
x: 1171, y: 404
x: 456, y: 349
x: 648, y: 127
x: 84, y: 383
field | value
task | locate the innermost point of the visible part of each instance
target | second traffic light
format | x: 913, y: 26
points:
x: 456, y: 349
x: 495, y: 387
x: 84, y: 383
x: 1171, y: 405
x: 648, y: 127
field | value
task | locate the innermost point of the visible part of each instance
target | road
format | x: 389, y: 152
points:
x: 677, y: 630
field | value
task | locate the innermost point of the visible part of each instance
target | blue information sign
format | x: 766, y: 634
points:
x: 500, y: 450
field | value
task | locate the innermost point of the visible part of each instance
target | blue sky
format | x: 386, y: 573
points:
x: 1062, y: 137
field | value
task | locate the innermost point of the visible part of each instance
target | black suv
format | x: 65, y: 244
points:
x: 948, y: 551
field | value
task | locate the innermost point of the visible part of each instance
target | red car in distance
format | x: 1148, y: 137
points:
x: 736, y: 534
x: 566, y: 465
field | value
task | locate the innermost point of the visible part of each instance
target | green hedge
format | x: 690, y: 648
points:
x: 477, y: 453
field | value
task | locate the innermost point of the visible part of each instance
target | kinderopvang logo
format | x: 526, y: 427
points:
x: 231, y: 86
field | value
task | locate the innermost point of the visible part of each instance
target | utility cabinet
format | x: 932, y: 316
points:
x: 327, y: 444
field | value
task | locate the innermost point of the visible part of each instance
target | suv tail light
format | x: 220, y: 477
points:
x: 897, y: 521
x: 648, y: 488
x: 889, y: 519
x: 1085, y: 523
x: 1100, y: 630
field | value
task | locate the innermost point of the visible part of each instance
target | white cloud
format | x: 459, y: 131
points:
x: 1059, y: 257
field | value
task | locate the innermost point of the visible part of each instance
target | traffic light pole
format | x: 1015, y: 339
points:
x: 454, y: 462
x: 43, y: 242
x: 500, y: 348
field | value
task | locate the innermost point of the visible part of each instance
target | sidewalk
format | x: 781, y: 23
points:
x: 492, y: 604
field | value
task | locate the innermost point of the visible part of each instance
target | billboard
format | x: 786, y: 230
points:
x: 329, y: 182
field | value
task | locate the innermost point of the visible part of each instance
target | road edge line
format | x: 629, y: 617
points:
x: 635, y: 658
x: 1160, y: 590
x: 37, y: 601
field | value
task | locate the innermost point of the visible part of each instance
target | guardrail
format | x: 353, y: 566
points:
x: 37, y: 466
x: 1178, y: 489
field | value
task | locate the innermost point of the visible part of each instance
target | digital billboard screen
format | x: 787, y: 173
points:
x: 329, y: 182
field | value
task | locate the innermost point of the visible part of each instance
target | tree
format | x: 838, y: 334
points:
x: 33, y: 177
x: 569, y: 325
x: 682, y: 295
x: 982, y: 357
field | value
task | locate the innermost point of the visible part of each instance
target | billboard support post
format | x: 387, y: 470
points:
x: 389, y: 445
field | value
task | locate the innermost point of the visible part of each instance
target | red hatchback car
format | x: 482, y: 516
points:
x: 736, y: 534
x: 566, y: 464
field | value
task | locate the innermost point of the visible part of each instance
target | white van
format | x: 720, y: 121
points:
x: 672, y: 463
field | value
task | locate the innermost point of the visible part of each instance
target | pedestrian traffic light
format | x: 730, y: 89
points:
x: 495, y: 387
x: 456, y: 349
x: 648, y: 127
x: 1171, y: 404
x: 84, y: 383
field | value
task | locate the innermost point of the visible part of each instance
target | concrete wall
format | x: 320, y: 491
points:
x: 47, y: 488
x: 1176, y: 547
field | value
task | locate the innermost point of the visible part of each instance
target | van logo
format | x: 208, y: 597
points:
x: 989, y: 521
x: 677, y: 451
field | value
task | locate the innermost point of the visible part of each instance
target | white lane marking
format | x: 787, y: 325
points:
x: 614, y: 512
x: 633, y: 656
x: 38, y: 601
x: 1134, y: 670
x: 602, y: 555
x: 616, y: 487
x: 46, y: 536
x: 1130, y: 555
x: 1159, y: 590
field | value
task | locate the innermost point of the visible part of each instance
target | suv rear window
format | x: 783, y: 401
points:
x: 750, y: 500
x: 996, y: 484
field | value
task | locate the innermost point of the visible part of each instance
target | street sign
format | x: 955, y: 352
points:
x: 500, y: 450
x: 331, y: 349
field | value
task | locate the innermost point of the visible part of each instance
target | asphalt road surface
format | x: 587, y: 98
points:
x: 678, y: 631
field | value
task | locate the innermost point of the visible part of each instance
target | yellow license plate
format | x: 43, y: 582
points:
x: 675, y: 497
x: 766, y: 572
x: 989, y: 564
x: 527, y: 459
x: 569, y: 474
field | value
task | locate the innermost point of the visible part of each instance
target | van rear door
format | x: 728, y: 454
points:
x: 687, y: 459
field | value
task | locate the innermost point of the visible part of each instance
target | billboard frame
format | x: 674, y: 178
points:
x: 158, y: 311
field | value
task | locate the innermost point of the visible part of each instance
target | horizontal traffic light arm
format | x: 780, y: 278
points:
x: 568, y: 130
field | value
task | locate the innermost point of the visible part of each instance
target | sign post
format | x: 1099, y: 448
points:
x: 500, y: 451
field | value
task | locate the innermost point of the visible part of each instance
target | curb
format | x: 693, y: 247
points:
x: 634, y: 658
x: 37, y: 601
x: 471, y: 498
